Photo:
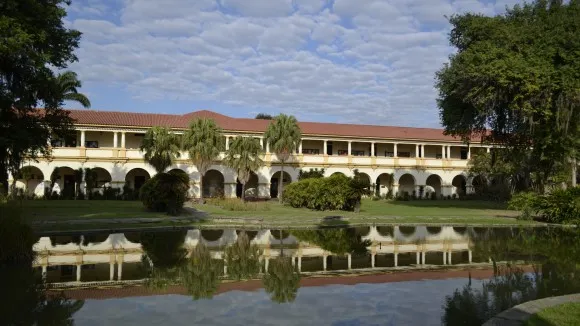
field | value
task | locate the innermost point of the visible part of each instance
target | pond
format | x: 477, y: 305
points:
x: 374, y: 275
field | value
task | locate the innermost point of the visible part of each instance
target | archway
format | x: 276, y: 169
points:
x: 213, y: 184
x: 384, y: 184
x: 251, y: 186
x: 65, y: 180
x: 366, y: 178
x: 274, y: 183
x: 338, y: 173
x: 386, y: 231
x: 479, y: 183
x: 433, y: 184
x: 407, y: 184
x: 103, y: 177
x: 30, y: 180
x: 251, y: 234
x: 210, y: 235
x: 407, y: 230
x: 135, y: 178
x: 433, y: 230
x: 460, y: 184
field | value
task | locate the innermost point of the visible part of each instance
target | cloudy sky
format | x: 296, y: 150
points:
x: 354, y: 61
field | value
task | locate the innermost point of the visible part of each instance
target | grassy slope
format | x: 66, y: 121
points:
x: 562, y: 315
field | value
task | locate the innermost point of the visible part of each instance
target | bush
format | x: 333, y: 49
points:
x: 336, y: 192
x: 454, y: 196
x: 110, y: 193
x: 165, y: 192
x: 433, y: 196
x: 560, y: 206
x: 237, y: 205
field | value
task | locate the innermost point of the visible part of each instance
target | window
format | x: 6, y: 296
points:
x: 464, y: 154
x: 91, y: 144
x: 389, y: 154
x: 404, y: 154
x: 438, y: 156
x: 310, y: 151
x: 342, y: 152
x: 358, y: 153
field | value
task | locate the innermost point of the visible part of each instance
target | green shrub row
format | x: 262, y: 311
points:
x: 165, y: 192
x: 559, y: 206
x: 337, y: 192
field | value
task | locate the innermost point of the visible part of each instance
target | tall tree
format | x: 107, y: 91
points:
x: 264, y: 116
x: 204, y: 142
x: 34, y: 44
x: 243, y: 156
x: 161, y: 148
x: 284, y: 136
x: 67, y: 84
x: 515, y: 81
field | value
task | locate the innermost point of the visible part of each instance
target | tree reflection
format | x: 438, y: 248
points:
x: 200, y: 274
x: 242, y: 259
x: 23, y: 294
x: 554, y: 255
x: 282, y: 280
x: 339, y: 241
x: 163, y: 257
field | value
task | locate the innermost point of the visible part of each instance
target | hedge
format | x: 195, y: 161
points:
x: 336, y: 192
x: 165, y: 192
x: 559, y: 206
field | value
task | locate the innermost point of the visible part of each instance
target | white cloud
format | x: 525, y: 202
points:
x: 369, y: 61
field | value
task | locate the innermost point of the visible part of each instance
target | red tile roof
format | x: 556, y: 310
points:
x: 133, y: 119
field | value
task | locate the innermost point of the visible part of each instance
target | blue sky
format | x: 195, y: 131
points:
x: 352, y: 61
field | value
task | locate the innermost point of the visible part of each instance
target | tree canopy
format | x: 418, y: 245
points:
x: 264, y: 116
x: 35, y: 44
x: 161, y: 148
x: 515, y: 82
x: 243, y: 156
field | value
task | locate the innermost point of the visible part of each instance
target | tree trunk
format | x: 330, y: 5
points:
x: 281, y: 183
x: 243, y: 192
x: 574, y: 169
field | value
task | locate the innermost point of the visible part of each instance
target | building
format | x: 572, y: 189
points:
x: 395, y: 159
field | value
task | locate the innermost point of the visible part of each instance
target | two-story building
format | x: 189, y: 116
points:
x: 396, y: 159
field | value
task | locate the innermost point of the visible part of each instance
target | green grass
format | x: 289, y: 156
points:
x: 51, y: 210
x: 424, y: 211
x: 562, y: 315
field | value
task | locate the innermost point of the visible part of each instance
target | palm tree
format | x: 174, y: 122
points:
x: 161, y: 148
x: 282, y: 280
x: 243, y: 156
x: 204, y: 142
x: 283, y: 135
x: 67, y: 84
x: 200, y: 274
x: 242, y: 258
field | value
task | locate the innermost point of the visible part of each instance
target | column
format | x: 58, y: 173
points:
x: 372, y: 149
x: 488, y: 149
x: 293, y: 261
x: 123, y: 139
x: 79, y: 273
x: 417, y: 150
x: 443, y: 152
x: 396, y: 259
x: 115, y: 139
x: 112, y: 271
x: 422, y: 258
x: 324, y: 263
x: 373, y: 260
x: 266, y: 264
x: 299, y: 263
x: 444, y: 258
x: 448, y: 151
x: 267, y: 147
x: 418, y: 255
x: 120, y: 269
x: 324, y: 148
x: 349, y: 257
x: 395, y: 152
x: 469, y: 255
x: 44, y: 268
x: 349, y: 148
x: 82, y: 138
x: 228, y: 142
x: 449, y: 259
x: 262, y: 143
x: 225, y: 269
x: 469, y: 153
x: 300, y: 147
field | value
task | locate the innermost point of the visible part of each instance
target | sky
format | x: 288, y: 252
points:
x: 347, y: 61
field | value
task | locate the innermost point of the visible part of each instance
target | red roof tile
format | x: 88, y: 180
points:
x: 133, y: 119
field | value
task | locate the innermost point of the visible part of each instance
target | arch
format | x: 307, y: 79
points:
x: 433, y: 184
x: 479, y: 183
x: 384, y: 183
x: 407, y: 184
x: 66, y: 182
x: 460, y: 184
x: 251, y: 234
x: 103, y: 177
x: 136, y: 177
x: 367, y: 178
x: 460, y: 230
x: 31, y: 180
x: 276, y: 234
x: 213, y: 184
x: 250, y: 186
x: 386, y: 231
x: 274, y: 182
x: 434, y: 230
x: 407, y: 230
x: 338, y: 173
x: 212, y: 235
x: 362, y: 231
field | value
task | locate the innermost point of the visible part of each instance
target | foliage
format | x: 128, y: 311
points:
x: 35, y: 45
x: 67, y: 84
x: 161, y: 148
x: 204, y: 142
x: 282, y: 280
x: 242, y: 258
x: 264, y: 116
x: 312, y: 173
x: 517, y: 74
x: 164, y: 249
x: 237, y: 205
x: 23, y: 298
x: 165, y: 192
x: 200, y: 274
x: 337, y: 192
x: 91, y: 180
x: 243, y: 156
x: 339, y: 241
x: 283, y: 136
x: 559, y: 206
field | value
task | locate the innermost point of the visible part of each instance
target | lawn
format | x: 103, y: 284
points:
x: 562, y: 315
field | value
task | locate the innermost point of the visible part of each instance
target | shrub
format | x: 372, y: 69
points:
x: 312, y: 173
x: 336, y: 192
x: 165, y: 192
x: 526, y: 202
x: 433, y: 196
x: 110, y: 193
x: 560, y: 206
x: 454, y: 196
